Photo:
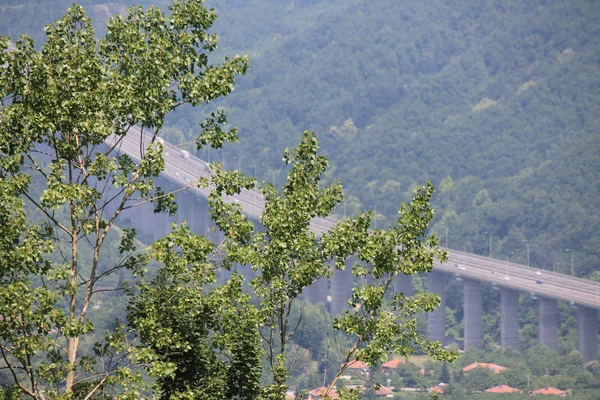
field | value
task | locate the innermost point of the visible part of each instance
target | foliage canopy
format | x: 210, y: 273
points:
x: 66, y: 110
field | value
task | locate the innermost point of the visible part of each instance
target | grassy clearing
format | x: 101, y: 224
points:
x: 419, y: 360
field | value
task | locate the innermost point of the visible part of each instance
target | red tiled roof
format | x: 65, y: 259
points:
x: 492, y: 367
x: 502, y: 389
x: 437, y: 389
x: 550, y: 390
x: 383, y: 391
x: 393, y: 363
x: 356, y: 365
x: 320, y: 392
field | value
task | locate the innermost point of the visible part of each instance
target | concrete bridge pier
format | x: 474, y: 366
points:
x: 127, y: 218
x: 403, y: 284
x: 341, y: 289
x: 141, y: 218
x: 199, y: 217
x: 194, y: 211
x: 168, y: 220
x: 317, y: 292
x: 509, y: 330
x: 473, y: 310
x: 160, y: 221
x: 162, y: 226
x: 247, y: 272
x: 185, y: 210
x: 587, y: 326
x: 548, y: 322
x: 436, y: 323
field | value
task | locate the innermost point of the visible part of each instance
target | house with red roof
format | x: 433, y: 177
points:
x: 384, y: 392
x: 437, y: 389
x: 551, y: 391
x: 503, y: 389
x: 495, y: 368
x: 317, y: 394
x: 392, y: 365
x: 357, y: 366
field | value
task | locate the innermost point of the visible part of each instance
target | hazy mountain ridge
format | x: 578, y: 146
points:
x: 478, y: 92
x: 402, y: 92
x: 495, y: 101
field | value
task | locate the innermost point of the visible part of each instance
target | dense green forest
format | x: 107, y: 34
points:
x: 494, y: 101
x: 498, y: 100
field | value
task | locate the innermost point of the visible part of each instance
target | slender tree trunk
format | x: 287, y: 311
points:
x: 73, y: 341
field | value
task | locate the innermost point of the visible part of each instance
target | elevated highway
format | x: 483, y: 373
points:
x: 183, y: 169
x: 549, y: 287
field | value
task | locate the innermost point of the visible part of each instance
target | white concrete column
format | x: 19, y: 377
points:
x: 436, y: 322
x: 509, y: 330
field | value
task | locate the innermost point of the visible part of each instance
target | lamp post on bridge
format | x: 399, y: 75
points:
x: 572, y: 264
x: 490, y: 235
x: 553, y: 276
x: 507, y: 261
x: 465, y: 251
x: 446, y: 227
x: 468, y: 244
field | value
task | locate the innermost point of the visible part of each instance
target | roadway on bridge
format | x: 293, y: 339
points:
x: 184, y: 169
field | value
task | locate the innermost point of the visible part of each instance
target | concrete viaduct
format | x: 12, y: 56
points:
x: 182, y: 170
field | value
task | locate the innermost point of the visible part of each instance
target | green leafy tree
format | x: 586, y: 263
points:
x: 289, y: 256
x: 444, y: 374
x: 60, y: 106
x: 201, y: 344
x: 478, y: 379
x: 517, y: 376
x: 65, y: 111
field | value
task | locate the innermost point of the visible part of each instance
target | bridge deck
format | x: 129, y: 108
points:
x: 184, y: 169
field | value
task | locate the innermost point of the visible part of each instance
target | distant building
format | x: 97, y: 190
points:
x: 392, y: 365
x: 437, y: 389
x: 503, y: 389
x: 384, y: 392
x: 358, y: 366
x: 492, y: 367
x: 317, y: 394
x: 551, y: 391
x: 430, y: 372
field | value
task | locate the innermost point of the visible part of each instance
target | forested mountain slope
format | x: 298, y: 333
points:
x: 495, y: 101
x: 499, y: 98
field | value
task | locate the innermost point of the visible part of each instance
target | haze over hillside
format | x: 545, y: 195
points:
x: 495, y: 101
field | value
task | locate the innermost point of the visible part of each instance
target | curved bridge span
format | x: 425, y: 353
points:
x: 183, y: 169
